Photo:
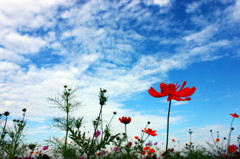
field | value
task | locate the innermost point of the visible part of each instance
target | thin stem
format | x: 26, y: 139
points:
x: 143, y: 132
x: 229, y: 137
x: 214, y: 142
x: 101, y: 120
x: 126, y: 132
x: 169, y: 107
x: 142, y: 141
x: 190, y: 141
x: 95, y: 129
x: 111, y: 120
x: 67, y: 125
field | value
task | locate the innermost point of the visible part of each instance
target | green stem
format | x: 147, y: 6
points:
x: 229, y: 137
x: 214, y: 142
x: 126, y: 132
x: 110, y: 120
x: 101, y: 120
x: 67, y: 125
x: 95, y: 129
x: 169, y: 107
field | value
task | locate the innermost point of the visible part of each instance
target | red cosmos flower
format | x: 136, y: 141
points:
x: 144, y: 153
x: 217, y: 139
x: 98, y: 154
x: 125, y: 120
x: 146, y: 148
x: 149, y: 131
x: 232, y: 148
x: 136, y: 137
x: 171, y: 150
x: 235, y: 115
x: 171, y: 90
x: 173, y: 140
x: 151, y: 151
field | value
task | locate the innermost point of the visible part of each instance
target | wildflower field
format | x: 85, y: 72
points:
x: 103, y: 144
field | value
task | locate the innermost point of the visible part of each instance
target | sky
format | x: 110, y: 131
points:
x: 125, y: 47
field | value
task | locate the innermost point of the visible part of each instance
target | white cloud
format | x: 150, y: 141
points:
x: 193, y: 7
x: 161, y: 2
x: 203, y: 35
x: 8, y: 66
x: 235, y: 12
x: 180, y: 103
x: 27, y: 13
x: 22, y: 44
x: 10, y: 56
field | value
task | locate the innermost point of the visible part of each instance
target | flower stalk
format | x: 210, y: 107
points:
x: 173, y: 92
x: 169, y: 108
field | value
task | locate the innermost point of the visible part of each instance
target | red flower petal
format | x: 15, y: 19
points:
x: 125, y: 120
x: 154, y: 93
x: 186, y: 92
x: 177, y: 98
x: 183, y: 85
x: 173, y: 91
x: 152, y: 151
x: 144, y: 153
x: 235, y: 115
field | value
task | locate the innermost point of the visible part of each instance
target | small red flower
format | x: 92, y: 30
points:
x: 151, y: 151
x: 171, y: 150
x: 146, y: 148
x: 163, y: 154
x: 235, y: 115
x: 125, y: 120
x: 129, y: 144
x: 232, y: 148
x: 217, y: 139
x: 171, y: 90
x: 136, y: 137
x: 149, y: 131
x: 144, y: 153
x: 98, y: 154
x: 173, y: 140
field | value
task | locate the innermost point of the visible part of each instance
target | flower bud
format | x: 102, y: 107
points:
x: 6, y: 113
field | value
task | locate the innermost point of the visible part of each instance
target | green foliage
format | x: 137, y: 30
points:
x: 11, y: 138
x: 65, y: 102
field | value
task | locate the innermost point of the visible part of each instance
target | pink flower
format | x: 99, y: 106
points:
x: 97, y: 133
x: 45, y: 148
x: 116, y: 149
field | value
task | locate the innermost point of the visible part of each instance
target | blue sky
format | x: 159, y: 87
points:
x: 125, y: 47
